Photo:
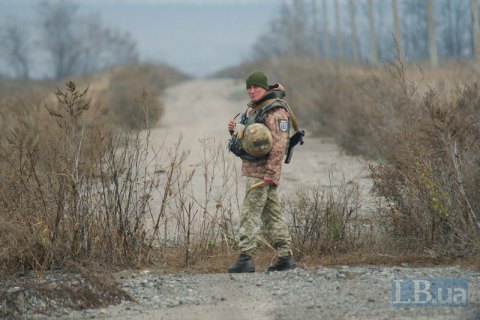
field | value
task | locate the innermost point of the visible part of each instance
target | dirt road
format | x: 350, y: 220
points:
x: 200, y: 109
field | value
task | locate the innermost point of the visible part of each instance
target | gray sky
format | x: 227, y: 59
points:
x: 196, y: 36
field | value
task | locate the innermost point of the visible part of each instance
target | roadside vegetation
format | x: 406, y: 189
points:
x: 77, y: 183
x: 73, y: 169
x: 78, y: 172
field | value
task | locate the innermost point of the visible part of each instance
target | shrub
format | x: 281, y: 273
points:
x: 325, y: 220
x: 134, y: 94
x: 75, y: 190
x: 432, y: 174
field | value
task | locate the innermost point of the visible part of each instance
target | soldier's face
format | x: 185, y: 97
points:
x: 255, y: 93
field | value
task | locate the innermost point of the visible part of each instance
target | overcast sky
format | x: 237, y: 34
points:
x: 196, y: 36
x: 200, y: 2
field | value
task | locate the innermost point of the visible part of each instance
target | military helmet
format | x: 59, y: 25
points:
x: 257, y: 140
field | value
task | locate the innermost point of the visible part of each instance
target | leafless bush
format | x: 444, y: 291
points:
x: 324, y: 219
x: 425, y: 144
x: 75, y: 190
x: 197, y: 211
x: 431, y: 176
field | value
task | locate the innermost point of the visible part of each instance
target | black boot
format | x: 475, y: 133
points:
x: 282, y: 264
x: 244, y: 264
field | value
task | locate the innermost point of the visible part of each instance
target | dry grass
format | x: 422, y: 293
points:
x: 74, y: 187
x: 421, y: 125
x: 325, y: 220
x: 130, y: 84
x: 431, y: 177
x: 67, y: 194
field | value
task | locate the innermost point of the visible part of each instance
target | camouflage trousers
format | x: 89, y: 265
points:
x: 261, y: 206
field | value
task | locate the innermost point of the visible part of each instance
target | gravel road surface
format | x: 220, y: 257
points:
x: 324, y: 293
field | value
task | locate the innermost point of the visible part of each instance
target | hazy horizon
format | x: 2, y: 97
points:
x: 196, y: 37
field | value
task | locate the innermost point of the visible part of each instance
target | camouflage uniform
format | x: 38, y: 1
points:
x: 262, y: 204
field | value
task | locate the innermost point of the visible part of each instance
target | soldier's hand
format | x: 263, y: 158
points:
x: 231, y: 125
x: 267, y: 180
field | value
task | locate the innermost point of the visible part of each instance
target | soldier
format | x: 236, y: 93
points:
x: 262, y: 202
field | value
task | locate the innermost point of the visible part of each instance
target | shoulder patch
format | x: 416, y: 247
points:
x: 283, y: 124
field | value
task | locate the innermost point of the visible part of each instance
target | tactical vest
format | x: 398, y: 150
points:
x: 256, y: 116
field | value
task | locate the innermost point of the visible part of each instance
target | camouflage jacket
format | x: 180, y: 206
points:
x: 277, y: 120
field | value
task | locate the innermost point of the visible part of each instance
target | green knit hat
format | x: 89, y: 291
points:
x: 257, y: 78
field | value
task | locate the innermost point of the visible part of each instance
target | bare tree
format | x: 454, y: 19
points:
x: 15, y: 48
x: 278, y: 37
x: 300, y: 38
x: 475, y: 30
x: 103, y: 47
x: 425, y: 29
x: 275, y: 41
x: 93, y: 44
x: 78, y: 43
x: 290, y: 33
x: 325, y: 37
x: 353, y: 27
x: 454, y: 32
x: 121, y: 49
x: 315, y: 31
x: 338, y: 31
x: 57, y: 27
x: 396, y: 28
x: 432, y: 39
x: 373, y: 34
x: 415, y: 28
